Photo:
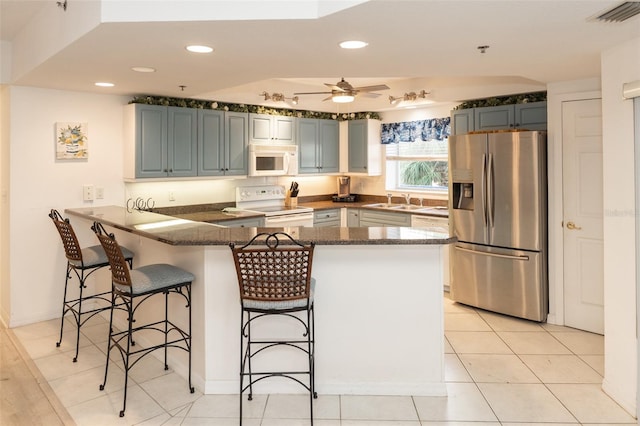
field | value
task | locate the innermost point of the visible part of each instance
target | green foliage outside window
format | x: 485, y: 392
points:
x: 432, y: 174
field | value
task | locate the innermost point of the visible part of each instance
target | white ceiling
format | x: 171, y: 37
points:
x: 413, y: 45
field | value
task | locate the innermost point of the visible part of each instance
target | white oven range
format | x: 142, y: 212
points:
x: 270, y: 201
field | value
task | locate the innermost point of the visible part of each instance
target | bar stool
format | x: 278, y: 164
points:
x: 131, y: 288
x: 83, y: 263
x: 274, y: 278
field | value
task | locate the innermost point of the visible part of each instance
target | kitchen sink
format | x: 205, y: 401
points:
x: 397, y: 207
x: 381, y: 205
x: 408, y: 207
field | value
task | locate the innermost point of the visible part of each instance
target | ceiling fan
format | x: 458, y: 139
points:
x: 343, y: 91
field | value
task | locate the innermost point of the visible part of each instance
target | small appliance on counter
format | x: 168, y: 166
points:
x: 344, y: 191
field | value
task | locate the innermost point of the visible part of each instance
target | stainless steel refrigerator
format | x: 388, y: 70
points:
x: 498, y: 212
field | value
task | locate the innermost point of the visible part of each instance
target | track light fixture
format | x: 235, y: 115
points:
x: 411, y: 96
x: 278, y: 97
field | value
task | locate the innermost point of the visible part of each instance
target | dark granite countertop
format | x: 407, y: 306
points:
x: 181, y: 231
x: 215, y: 213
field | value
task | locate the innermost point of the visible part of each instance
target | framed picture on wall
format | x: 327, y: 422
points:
x: 71, y: 141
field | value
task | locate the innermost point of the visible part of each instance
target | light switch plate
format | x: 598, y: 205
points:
x: 88, y: 192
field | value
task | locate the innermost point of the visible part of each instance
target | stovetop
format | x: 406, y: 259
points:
x: 266, y: 199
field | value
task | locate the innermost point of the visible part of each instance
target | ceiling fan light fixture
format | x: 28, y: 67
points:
x: 342, y: 98
x: 353, y: 44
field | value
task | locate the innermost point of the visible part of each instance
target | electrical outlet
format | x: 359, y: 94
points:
x: 172, y: 196
x: 88, y: 192
x: 99, y: 192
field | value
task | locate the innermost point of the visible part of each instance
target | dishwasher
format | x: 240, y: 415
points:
x: 437, y: 224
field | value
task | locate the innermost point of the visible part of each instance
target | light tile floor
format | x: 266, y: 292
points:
x: 499, y: 370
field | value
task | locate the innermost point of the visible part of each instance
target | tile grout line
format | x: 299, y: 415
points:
x: 532, y: 372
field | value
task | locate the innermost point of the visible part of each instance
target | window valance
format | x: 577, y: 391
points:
x: 410, y: 131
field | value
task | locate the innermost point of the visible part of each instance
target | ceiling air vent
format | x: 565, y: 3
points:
x: 620, y: 13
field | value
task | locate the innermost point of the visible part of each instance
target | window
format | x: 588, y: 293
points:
x: 417, y: 155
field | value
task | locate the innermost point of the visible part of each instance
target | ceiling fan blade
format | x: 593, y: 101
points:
x: 368, y: 95
x: 372, y: 88
x: 328, y: 98
x: 312, y: 93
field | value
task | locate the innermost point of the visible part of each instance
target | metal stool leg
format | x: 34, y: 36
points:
x: 109, y: 341
x: 64, y: 304
x: 78, y: 315
x: 130, y: 310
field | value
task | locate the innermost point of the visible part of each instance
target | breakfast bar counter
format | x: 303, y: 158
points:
x: 378, y: 301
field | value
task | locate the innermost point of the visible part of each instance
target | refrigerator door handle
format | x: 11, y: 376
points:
x: 484, y: 189
x: 490, y: 192
x: 484, y: 253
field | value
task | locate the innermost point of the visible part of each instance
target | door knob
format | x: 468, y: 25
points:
x: 571, y: 225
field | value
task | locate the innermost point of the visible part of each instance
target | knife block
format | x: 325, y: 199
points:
x: 290, y: 201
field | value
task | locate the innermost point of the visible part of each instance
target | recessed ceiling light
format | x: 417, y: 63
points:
x: 353, y: 44
x: 104, y: 84
x: 199, y: 49
x: 143, y: 69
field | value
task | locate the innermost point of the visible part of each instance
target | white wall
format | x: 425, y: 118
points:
x: 620, y: 64
x: 38, y: 183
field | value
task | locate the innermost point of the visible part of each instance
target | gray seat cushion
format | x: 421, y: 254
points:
x: 155, y: 278
x: 280, y: 305
x: 95, y: 256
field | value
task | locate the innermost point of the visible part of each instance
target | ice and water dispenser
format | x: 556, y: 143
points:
x: 463, y: 191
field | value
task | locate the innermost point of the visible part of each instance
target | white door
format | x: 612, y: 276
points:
x: 582, y: 215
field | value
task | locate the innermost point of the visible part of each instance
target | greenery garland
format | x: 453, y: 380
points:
x: 522, y: 98
x: 257, y: 109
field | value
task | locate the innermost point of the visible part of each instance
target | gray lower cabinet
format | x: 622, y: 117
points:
x: 249, y: 222
x: 329, y: 217
x: 162, y: 141
x: 318, y: 146
x: 222, y: 143
x: 383, y: 218
x: 353, y: 218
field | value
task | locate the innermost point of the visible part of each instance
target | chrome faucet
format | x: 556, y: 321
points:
x: 388, y: 198
x: 407, y: 198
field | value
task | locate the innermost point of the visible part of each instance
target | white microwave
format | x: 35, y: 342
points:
x: 273, y: 160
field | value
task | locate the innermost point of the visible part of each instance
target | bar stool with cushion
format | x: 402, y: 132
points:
x: 82, y: 262
x: 274, y: 278
x: 131, y: 288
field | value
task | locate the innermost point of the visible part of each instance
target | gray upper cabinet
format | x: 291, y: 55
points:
x: 163, y: 140
x: 318, y: 145
x: 236, y: 138
x: 530, y: 116
x: 365, y: 150
x: 182, y: 141
x: 462, y: 121
x: 264, y: 128
x: 222, y: 142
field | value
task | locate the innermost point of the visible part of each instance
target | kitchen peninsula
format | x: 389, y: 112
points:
x: 379, y: 316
